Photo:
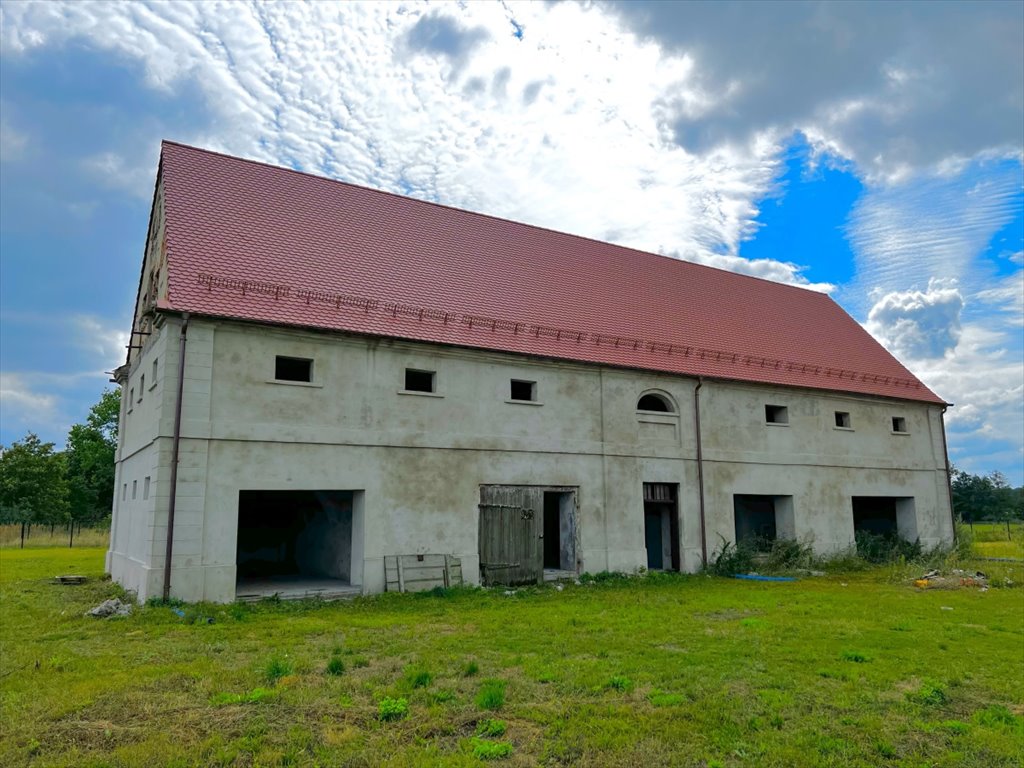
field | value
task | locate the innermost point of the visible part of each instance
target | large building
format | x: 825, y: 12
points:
x: 323, y: 376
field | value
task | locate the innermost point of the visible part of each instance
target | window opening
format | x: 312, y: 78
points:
x: 524, y: 390
x: 145, y: 488
x: 154, y: 376
x: 142, y: 386
x: 899, y: 424
x: 776, y: 414
x: 652, y: 402
x: 135, y: 489
x: 843, y: 420
x: 293, y: 369
x: 419, y: 381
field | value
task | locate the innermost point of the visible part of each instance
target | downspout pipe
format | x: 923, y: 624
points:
x: 949, y: 486
x: 182, y: 342
x: 700, y: 472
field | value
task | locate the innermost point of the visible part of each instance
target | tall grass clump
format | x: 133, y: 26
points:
x: 491, y: 695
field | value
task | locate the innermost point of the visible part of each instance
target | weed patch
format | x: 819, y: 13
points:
x: 491, y: 728
x: 619, y: 683
x: 930, y: 694
x: 491, y: 695
x: 491, y: 750
x: 389, y: 710
x: 856, y: 657
x: 276, y: 668
x: 336, y: 666
x: 252, y: 697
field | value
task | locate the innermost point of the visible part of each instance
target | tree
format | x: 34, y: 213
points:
x: 33, y: 488
x: 90, y: 460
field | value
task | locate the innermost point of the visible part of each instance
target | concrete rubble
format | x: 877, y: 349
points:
x: 113, y: 607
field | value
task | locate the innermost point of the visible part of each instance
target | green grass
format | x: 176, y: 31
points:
x: 848, y: 669
x: 990, y: 540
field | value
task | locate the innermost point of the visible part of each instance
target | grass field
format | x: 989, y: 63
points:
x: 990, y: 540
x: 843, y: 670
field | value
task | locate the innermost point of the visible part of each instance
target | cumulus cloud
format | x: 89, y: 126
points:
x: 892, y: 86
x: 918, y: 324
x: 447, y: 103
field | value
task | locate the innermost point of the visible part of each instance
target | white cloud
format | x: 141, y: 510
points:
x: 904, y: 235
x: 442, y: 102
x: 113, y: 170
x: 918, y: 324
x: 105, y: 343
x: 23, y: 406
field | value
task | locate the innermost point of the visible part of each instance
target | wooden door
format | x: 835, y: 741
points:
x: 511, y: 541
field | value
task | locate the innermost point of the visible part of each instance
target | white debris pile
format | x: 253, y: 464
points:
x: 112, y: 607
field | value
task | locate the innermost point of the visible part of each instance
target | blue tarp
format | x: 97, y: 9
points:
x: 756, y: 577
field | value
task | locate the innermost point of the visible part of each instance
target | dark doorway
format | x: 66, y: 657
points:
x: 661, y: 526
x: 559, y: 531
x: 285, y: 537
x: 755, y: 521
x: 875, y: 514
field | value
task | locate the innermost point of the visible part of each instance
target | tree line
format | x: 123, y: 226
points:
x: 985, y: 497
x: 40, y: 485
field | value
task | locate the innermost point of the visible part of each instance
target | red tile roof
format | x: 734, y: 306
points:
x: 271, y: 245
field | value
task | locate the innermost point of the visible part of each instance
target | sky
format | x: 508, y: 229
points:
x: 872, y: 151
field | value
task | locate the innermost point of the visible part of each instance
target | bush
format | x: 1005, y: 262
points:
x: 886, y: 548
x: 470, y: 668
x: 335, y: 666
x: 930, y: 694
x: 491, y: 695
x: 389, y: 710
x: 731, y: 559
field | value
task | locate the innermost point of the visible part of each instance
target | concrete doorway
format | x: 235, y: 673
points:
x: 295, y: 544
x: 661, y: 526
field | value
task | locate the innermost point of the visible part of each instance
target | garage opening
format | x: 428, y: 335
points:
x: 886, y: 516
x: 295, y: 544
x: 661, y: 526
x: 559, y: 532
x: 761, y: 520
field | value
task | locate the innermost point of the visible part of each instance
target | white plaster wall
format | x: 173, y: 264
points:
x: 420, y: 460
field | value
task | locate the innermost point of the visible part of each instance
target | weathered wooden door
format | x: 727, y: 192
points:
x: 511, y: 541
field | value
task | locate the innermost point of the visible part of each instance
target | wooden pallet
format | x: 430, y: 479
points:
x: 69, y: 579
x: 418, y: 573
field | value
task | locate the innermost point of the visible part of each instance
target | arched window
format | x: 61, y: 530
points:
x: 653, y: 402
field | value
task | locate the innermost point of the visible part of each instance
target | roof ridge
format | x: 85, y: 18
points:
x: 491, y: 217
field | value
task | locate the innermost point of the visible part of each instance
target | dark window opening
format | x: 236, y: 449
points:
x: 419, y: 381
x: 559, y: 531
x: 879, y: 522
x: 875, y: 515
x: 297, y: 534
x: 776, y: 414
x: 293, y: 369
x: 899, y: 424
x: 756, y: 524
x: 843, y: 420
x: 654, y: 403
x: 524, y: 390
x: 661, y: 526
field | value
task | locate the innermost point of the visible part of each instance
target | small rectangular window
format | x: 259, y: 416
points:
x: 899, y: 424
x: 154, y: 377
x: 293, y: 369
x: 419, y: 381
x: 145, y: 488
x: 142, y: 386
x: 124, y: 492
x: 524, y: 390
x: 135, y: 489
x: 843, y: 420
x: 131, y: 399
x: 776, y: 414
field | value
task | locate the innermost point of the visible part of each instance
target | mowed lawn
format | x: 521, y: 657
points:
x: 858, y: 669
